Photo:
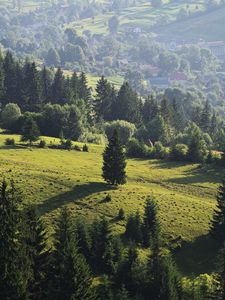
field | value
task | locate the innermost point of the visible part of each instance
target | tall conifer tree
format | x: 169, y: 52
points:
x: 218, y: 221
x: 58, y: 88
x: 45, y: 85
x: 71, y: 274
x: 1, y: 78
x: 13, y: 278
x: 114, y: 162
x: 36, y: 248
x: 10, y: 92
x: 103, y: 99
x: 32, y: 87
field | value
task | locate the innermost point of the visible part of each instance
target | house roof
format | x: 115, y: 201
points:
x: 178, y: 76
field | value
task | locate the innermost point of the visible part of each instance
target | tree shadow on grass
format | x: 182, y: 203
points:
x: 207, y: 173
x: 197, y: 257
x: 165, y: 164
x: 77, y: 194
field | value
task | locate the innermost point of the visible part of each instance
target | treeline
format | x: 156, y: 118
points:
x: 65, y: 105
x: 35, y: 265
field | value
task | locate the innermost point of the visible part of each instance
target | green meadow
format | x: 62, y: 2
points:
x: 185, y: 193
x: 141, y: 15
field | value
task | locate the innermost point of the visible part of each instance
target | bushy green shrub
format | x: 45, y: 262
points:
x: 179, y: 152
x: 93, y: 138
x: 77, y: 148
x: 121, y: 214
x: 125, y: 130
x: 137, y: 149
x: 66, y: 144
x: 42, y: 144
x: 10, y: 114
x: 85, y: 148
x: 9, y: 142
x: 159, y: 151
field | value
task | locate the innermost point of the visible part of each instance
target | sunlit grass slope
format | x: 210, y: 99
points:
x: 185, y: 193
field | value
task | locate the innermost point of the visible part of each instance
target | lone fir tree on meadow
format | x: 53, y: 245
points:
x: 114, y: 164
x: 30, y: 131
x: 218, y: 222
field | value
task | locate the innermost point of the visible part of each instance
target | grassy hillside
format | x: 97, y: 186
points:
x: 209, y: 26
x: 26, y: 5
x: 142, y: 15
x: 161, y: 21
x: 185, y: 193
x: 116, y: 80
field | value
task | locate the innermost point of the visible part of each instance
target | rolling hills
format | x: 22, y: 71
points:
x: 185, y: 193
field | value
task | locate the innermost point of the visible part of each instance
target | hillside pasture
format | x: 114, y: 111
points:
x: 185, y: 193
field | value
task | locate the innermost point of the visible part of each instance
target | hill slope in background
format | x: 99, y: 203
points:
x: 209, y: 26
x: 185, y: 193
x: 162, y: 21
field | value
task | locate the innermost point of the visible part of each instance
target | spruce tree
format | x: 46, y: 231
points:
x: 122, y: 294
x: 30, y: 131
x: 151, y: 226
x: 58, y: 88
x: 150, y: 110
x: 36, y: 248
x: 179, y: 119
x: 197, y: 147
x: 169, y: 284
x: 84, y: 91
x: 1, y: 78
x: 214, y: 125
x: 128, y: 105
x: 165, y: 110
x: 103, y: 99
x: 218, y: 221
x: 45, y: 85
x: 71, y: 274
x: 206, y: 117
x: 123, y: 275
x: 32, y: 87
x: 114, y: 162
x: 75, y: 86
x: 13, y: 277
x: 133, y: 230
x: 101, y: 238
x: 83, y: 238
x: 10, y: 92
x: 20, y: 87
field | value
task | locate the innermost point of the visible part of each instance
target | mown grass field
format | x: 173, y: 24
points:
x: 185, y: 193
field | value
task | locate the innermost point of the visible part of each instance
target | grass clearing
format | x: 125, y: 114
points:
x: 185, y: 193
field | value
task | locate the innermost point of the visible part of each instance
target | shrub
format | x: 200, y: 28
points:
x: 9, y: 142
x: 210, y: 158
x: 125, y: 130
x: 10, y: 114
x: 121, y: 214
x: 137, y: 149
x: 77, y: 148
x: 107, y: 199
x: 85, y: 148
x: 179, y: 152
x: 93, y: 138
x: 42, y: 144
x: 159, y: 151
x: 66, y: 144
